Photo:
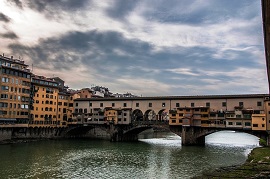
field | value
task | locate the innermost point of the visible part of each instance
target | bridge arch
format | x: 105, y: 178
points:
x: 163, y: 115
x: 137, y: 115
x: 150, y: 115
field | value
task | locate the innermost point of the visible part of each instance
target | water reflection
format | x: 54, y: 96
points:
x: 156, y: 155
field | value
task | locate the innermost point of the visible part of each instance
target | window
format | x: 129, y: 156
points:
x: 84, y: 110
x: 76, y: 104
x: 238, y: 116
x: 177, y: 105
x: 247, y: 124
x: 255, y: 125
x: 90, y: 104
x: 259, y: 103
x: 207, y: 104
x: 137, y: 104
x: 5, y: 88
x: 4, y: 96
x: 5, y: 79
x: 224, y: 104
x: 113, y: 104
x: 192, y: 104
x: 150, y: 105
x: 263, y: 125
x: 241, y: 103
x: 173, y: 121
x: 230, y: 123
x: 125, y: 105
x: 3, y: 112
x: 238, y: 123
x: 101, y: 104
x: 163, y: 104
x: 4, y: 105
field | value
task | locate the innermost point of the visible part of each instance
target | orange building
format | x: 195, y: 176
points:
x: 14, y: 91
x: 44, y: 110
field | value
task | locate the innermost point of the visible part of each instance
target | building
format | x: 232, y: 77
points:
x: 65, y: 107
x: 234, y: 111
x: 51, y: 107
x: 15, y: 90
x: 259, y: 122
x: 117, y: 115
x: 44, y: 111
x: 190, y: 116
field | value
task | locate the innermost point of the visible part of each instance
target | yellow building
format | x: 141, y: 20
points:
x: 111, y: 115
x: 14, y: 91
x: 117, y: 115
x: 44, y: 111
x: 190, y: 116
x: 259, y: 122
x: 65, y: 107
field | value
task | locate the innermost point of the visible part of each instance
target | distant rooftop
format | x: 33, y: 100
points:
x: 12, y: 60
x: 177, y: 97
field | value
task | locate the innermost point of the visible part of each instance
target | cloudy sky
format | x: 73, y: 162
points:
x: 146, y: 47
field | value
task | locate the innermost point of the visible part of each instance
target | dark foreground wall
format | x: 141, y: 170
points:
x: 8, y: 134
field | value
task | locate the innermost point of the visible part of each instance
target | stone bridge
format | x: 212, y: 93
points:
x: 190, y: 135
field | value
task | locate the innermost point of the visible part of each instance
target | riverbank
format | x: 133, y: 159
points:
x: 256, y: 166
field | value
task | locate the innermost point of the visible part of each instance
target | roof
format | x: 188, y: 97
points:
x: 11, y: 60
x: 177, y: 97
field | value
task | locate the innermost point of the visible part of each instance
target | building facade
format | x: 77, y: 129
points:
x: 15, y: 91
x: 44, y: 111
x: 52, y: 106
x: 235, y: 111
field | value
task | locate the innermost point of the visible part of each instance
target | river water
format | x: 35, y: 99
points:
x: 156, y: 155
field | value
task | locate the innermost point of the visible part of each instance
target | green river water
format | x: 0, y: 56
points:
x: 156, y: 155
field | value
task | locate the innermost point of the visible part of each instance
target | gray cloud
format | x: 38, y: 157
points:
x: 18, y: 3
x: 53, y: 6
x: 120, y: 60
x: 9, y: 35
x: 194, y: 12
x: 4, y: 18
x: 109, y: 56
x: 121, y: 8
